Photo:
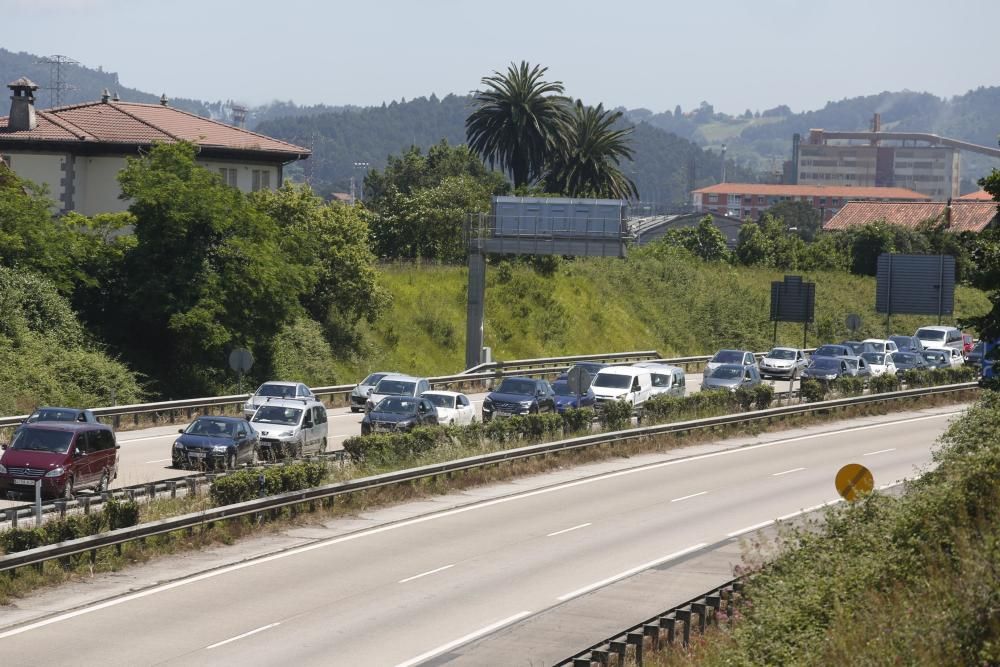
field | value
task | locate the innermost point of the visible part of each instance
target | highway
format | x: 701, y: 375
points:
x: 405, y: 591
x: 145, y: 453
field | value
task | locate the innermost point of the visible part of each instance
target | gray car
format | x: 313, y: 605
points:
x: 783, y: 362
x: 276, y: 389
x: 722, y: 357
x: 732, y: 377
x: 359, y: 395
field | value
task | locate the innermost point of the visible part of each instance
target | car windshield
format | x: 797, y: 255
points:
x: 874, y: 358
x: 781, y: 353
x: 211, y: 427
x: 902, y: 342
x: 826, y: 363
x: 441, y: 400
x: 54, y: 415
x: 904, y: 357
x: 561, y: 388
x: 282, y: 390
x: 728, y: 357
x: 397, y: 405
x: 829, y: 351
x: 396, y: 387
x: 276, y: 414
x: 516, y: 386
x: 930, y: 334
x: 41, y: 440
x: 613, y: 380
x: 727, y: 372
x: 373, y: 379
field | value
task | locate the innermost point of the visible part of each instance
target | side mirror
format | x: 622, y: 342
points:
x: 77, y: 453
x: 180, y: 430
x: 4, y: 446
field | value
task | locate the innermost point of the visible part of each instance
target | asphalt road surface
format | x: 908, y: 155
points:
x: 408, y: 591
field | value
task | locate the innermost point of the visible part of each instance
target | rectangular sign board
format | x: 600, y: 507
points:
x: 558, y: 217
x: 793, y: 300
x: 915, y: 284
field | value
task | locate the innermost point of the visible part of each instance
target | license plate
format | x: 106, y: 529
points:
x: 196, y: 455
x: 26, y: 482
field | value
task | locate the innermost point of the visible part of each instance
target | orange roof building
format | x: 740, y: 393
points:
x: 979, y: 195
x: 751, y: 200
x: 959, y: 215
x: 78, y: 150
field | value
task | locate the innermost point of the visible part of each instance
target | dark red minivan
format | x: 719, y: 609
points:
x: 65, y: 456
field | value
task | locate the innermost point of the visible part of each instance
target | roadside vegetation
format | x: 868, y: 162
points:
x: 910, y: 580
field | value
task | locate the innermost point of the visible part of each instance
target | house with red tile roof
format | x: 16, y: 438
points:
x: 751, y: 200
x: 78, y: 150
x: 979, y: 195
x: 958, y: 215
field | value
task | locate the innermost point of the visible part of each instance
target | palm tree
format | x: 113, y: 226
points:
x: 588, y: 164
x: 520, y: 121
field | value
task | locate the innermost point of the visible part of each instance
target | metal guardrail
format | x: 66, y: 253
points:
x: 252, y: 507
x: 697, y: 613
x: 544, y: 365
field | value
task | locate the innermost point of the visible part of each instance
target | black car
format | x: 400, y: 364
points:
x: 49, y: 414
x: 519, y: 396
x: 908, y: 361
x: 937, y: 358
x: 215, y: 442
x: 833, y: 351
x: 858, y: 347
x: 826, y: 368
x: 592, y: 367
x: 907, y: 343
x: 399, y: 413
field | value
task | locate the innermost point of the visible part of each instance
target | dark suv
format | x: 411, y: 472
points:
x: 519, y: 396
x: 65, y: 456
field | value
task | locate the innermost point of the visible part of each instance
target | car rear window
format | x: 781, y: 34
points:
x: 930, y: 334
x: 440, y: 400
x: 285, y: 391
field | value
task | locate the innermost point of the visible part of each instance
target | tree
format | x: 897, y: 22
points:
x: 705, y: 240
x: 867, y: 242
x: 799, y: 217
x: 519, y: 121
x: 587, y: 165
x: 985, y: 274
x: 207, y: 273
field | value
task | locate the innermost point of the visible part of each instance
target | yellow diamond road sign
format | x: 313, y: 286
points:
x: 853, y: 481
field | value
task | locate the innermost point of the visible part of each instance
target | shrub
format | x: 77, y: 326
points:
x: 244, y: 485
x: 813, y: 390
x: 21, y: 539
x: 763, y: 396
x: 615, y: 415
x: 577, y: 420
x: 883, y: 383
x: 848, y: 385
x: 121, y: 513
x: 744, y: 398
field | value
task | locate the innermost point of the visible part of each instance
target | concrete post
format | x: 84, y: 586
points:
x: 476, y: 308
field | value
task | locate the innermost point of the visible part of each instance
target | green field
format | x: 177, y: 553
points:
x: 673, y: 303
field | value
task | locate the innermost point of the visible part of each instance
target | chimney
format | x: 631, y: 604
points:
x: 22, y: 105
x: 947, y: 213
x: 105, y: 96
x: 116, y: 98
x: 163, y: 100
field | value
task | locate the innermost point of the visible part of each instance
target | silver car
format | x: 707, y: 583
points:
x: 359, y: 395
x: 783, y: 362
x: 732, y: 377
x: 276, y: 389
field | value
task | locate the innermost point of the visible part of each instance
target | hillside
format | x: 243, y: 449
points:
x: 671, y: 302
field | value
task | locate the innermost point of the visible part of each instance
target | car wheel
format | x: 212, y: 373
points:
x: 68, y: 490
x: 354, y: 409
x: 102, y: 486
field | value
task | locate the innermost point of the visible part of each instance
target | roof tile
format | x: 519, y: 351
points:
x: 966, y: 216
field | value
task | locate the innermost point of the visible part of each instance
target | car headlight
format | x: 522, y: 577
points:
x: 286, y: 434
x: 58, y: 471
x: 526, y: 404
x: 406, y: 423
x: 488, y: 405
x: 248, y: 406
x: 219, y: 449
x: 178, y: 444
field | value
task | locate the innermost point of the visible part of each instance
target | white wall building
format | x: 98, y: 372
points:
x: 77, y: 151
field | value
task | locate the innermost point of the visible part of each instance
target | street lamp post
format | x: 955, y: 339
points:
x: 358, y: 165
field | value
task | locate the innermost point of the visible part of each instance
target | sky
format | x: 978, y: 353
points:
x: 735, y: 54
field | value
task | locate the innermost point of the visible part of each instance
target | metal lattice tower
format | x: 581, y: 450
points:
x: 57, y: 78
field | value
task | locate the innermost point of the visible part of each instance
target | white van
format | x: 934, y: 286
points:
x: 628, y: 383
x: 666, y: 379
x: 940, y: 337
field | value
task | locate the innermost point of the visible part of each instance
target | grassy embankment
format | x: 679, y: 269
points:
x: 678, y: 305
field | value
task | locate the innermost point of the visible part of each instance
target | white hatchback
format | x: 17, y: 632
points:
x: 452, y: 407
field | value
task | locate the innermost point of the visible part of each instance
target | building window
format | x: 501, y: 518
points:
x: 228, y: 176
x: 735, y: 201
x: 713, y: 198
x: 261, y: 180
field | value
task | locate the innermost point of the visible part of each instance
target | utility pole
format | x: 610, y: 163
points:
x: 57, y: 80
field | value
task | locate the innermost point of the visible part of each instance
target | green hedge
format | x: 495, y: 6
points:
x: 813, y: 390
x: 615, y: 415
x: 113, y: 515
x: 578, y: 420
x: 244, y: 485
x: 884, y: 383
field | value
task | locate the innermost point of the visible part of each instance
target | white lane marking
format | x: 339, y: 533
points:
x: 462, y: 640
x: 786, y: 472
x: 748, y: 529
x: 424, y: 574
x: 238, y: 637
x: 148, y: 437
x: 881, y: 451
x: 566, y: 530
x: 828, y: 503
x: 629, y: 572
x: 343, y: 435
x: 693, y: 495
x: 434, y: 517
x: 158, y: 461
